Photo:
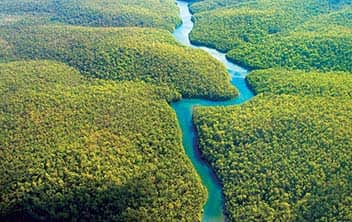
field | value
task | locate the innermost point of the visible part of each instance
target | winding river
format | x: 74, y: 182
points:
x: 213, y: 209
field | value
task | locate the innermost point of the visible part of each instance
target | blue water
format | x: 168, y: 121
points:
x: 213, y: 209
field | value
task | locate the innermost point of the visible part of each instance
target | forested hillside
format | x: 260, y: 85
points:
x: 5, y: 50
x: 151, y: 13
x: 122, y: 54
x: 282, y: 158
x: 281, y: 81
x: 266, y: 33
x: 286, y: 155
x: 207, y: 5
x: 327, y: 50
x: 90, y: 150
x: 88, y: 133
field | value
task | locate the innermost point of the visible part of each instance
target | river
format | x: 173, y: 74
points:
x: 214, y: 207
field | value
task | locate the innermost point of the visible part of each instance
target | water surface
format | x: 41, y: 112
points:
x: 213, y: 209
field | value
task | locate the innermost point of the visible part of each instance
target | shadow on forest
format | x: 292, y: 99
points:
x: 89, y: 202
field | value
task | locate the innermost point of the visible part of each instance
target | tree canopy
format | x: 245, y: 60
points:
x: 265, y: 33
x: 142, y: 13
x: 150, y: 55
x: 78, y: 149
x: 281, y: 157
x: 281, y: 81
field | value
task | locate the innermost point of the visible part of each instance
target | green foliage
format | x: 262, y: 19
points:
x: 207, y: 5
x: 124, y: 54
x: 282, y: 158
x: 325, y: 22
x: 5, y: 50
x: 227, y: 29
x: 7, y: 20
x: 267, y: 33
x: 252, y: 21
x: 73, y: 149
x: 145, y: 13
x: 327, y: 51
x: 27, y: 6
x: 280, y: 81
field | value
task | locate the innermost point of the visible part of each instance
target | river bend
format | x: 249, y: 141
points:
x: 213, y: 209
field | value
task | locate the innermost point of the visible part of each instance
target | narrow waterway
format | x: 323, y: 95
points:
x: 213, y: 209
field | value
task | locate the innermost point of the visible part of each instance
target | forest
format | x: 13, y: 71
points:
x: 90, y: 149
x: 143, y: 13
x: 150, y: 55
x: 208, y: 5
x: 324, y: 51
x: 281, y: 157
x: 301, y: 83
x: 88, y: 133
x: 286, y: 154
x: 294, y: 34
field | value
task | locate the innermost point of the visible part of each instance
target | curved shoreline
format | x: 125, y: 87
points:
x: 214, y: 207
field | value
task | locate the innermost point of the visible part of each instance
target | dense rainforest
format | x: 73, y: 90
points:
x: 121, y: 54
x: 264, y: 33
x: 90, y: 149
x: 283, y: 157
x: 281, y: 81
x: 144, y: 13
x: 87, y: 132
x: 286, y: 155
